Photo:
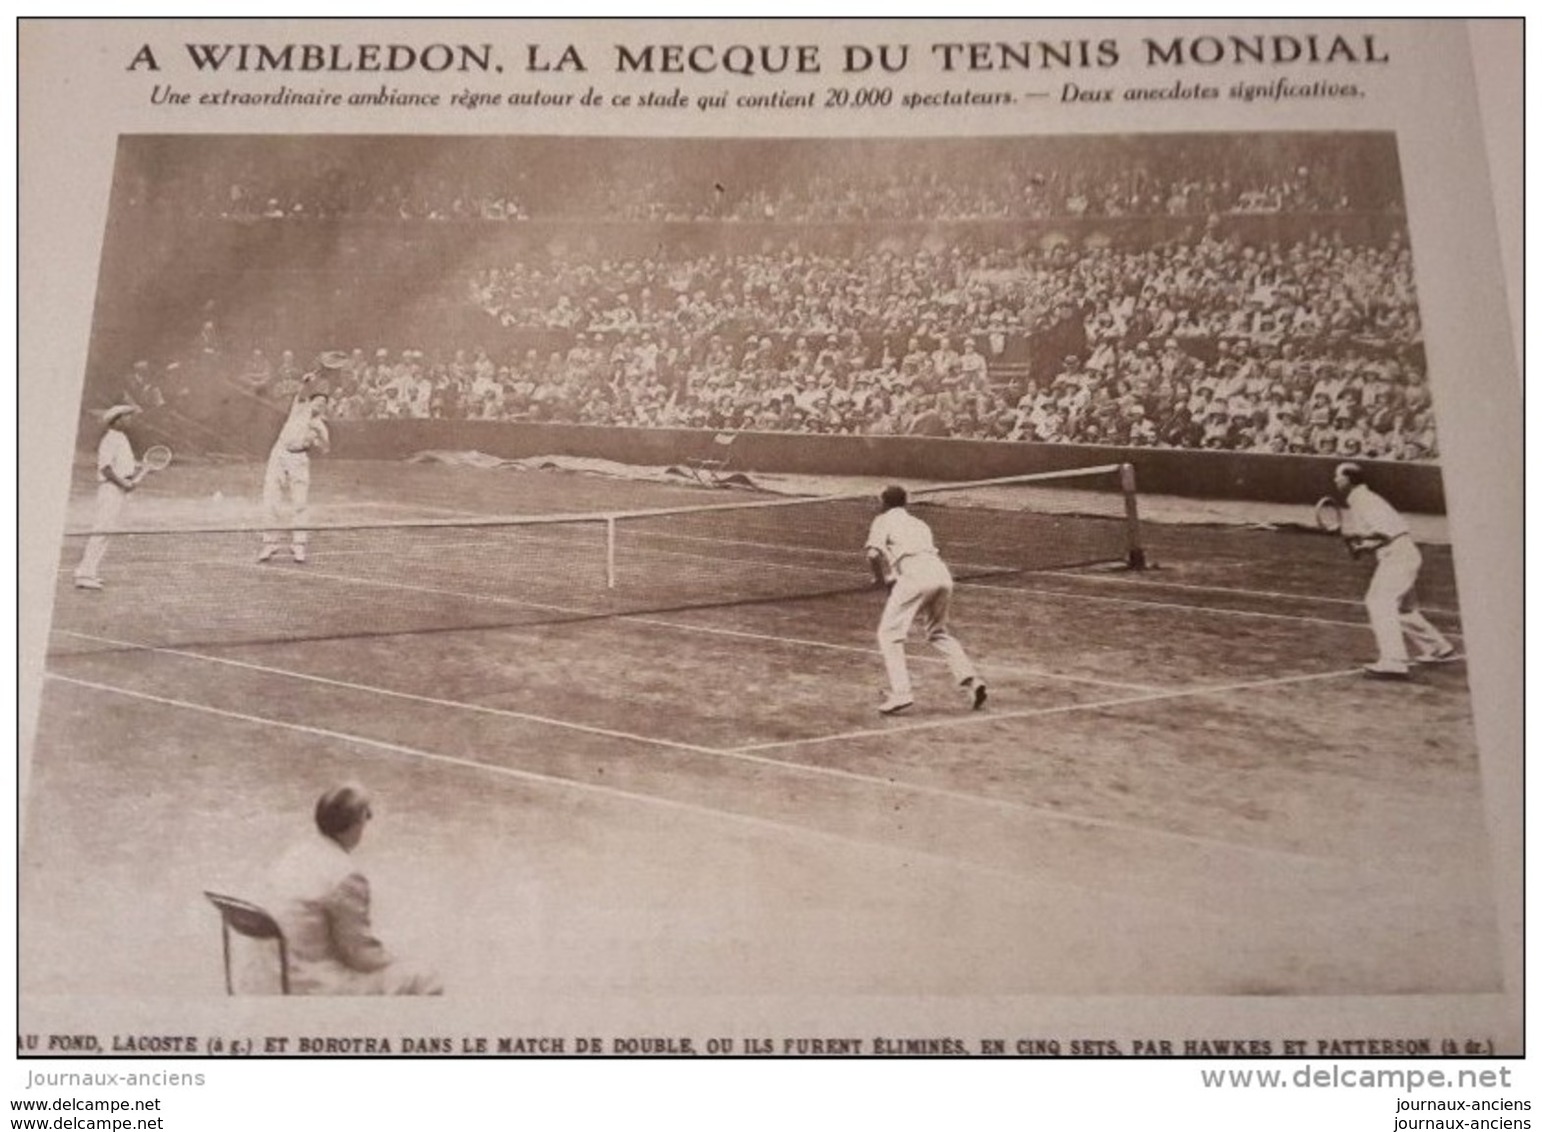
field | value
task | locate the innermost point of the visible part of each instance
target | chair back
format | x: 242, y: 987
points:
x: 250, y: 920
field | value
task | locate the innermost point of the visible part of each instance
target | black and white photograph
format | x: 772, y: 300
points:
x: 775, y: 592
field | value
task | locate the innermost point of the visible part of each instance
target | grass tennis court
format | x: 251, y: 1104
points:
x: 1181, y: 784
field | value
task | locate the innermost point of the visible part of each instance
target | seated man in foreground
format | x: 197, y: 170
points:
x: 321, y: 901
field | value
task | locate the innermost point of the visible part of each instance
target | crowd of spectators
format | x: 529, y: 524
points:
x: 1301, y: 336
x: 805, y: 181
x: 1255, y: 398
x: 1318, y: 289
x: 1307, y: 348
x: 1026, y: 189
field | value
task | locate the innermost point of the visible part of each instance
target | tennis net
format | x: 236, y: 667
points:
x: 202, y: 586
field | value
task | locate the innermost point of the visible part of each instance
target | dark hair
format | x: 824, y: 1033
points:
x: 340, y: 808
x: 1351, y: 472
x: 893, y: 496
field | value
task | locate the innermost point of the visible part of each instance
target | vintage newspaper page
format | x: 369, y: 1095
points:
x: 506, y: 661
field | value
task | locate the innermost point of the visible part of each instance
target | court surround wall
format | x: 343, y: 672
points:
x: 1166, y: 471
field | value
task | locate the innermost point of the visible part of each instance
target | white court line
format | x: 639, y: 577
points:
x: 718, y: 560
x: 312, y: 571
x: 1136, y: 578
x: 1063, y: 709
x: 539, y: 778
x: 739, y: 754
x: 327, y: 681
x: 1022, y: 591
x: 727, y: 816
x: 1016, y: 590
x: 657, y: 622
x: 1129, y: 579
x: 923, y: 658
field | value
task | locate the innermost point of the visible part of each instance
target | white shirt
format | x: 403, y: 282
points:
x: 115, y: 452
x: 1370, y: 514
x: 296, y: 435
x: 897, y: 534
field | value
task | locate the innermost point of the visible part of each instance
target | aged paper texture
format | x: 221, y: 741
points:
x: 619, y: 784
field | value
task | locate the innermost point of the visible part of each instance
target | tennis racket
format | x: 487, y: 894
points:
x: 157, y: 458
x: 1329, y: 515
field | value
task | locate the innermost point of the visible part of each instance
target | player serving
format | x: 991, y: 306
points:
x: 903, y: 557
x: 286, y: 487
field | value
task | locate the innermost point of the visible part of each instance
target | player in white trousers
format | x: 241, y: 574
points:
x: 117, y: 474
x: 903, y: 556
x: 1374, y: 526
x: 286, y: 487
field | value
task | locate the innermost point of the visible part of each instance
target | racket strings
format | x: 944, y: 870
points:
x: 1330, y: 516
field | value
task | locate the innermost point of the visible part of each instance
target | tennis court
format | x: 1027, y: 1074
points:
x: 680, y: 786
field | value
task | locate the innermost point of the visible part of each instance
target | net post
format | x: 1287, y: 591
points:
x: 1135, y: 553
x: 610, y: 552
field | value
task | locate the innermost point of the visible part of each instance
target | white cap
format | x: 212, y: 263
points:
x: 117, y: 411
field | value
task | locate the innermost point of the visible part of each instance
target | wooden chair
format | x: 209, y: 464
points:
x: 245, y: 918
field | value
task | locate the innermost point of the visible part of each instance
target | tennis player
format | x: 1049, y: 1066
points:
x: 903, y: 557
x: 116, y: 476
x: 1374, y: 527
x: 286, y: 487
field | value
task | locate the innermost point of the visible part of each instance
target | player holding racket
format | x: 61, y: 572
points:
x: 157, y: 458
x: 903, y: 557
x: 1371, y: 525
x: 117, y: 474
x: 286, y: 486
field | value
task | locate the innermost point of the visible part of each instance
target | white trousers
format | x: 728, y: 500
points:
x: 286, y: 495
x: 109, y: 508
x: 924, y: 589
x: 1394, y: 609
